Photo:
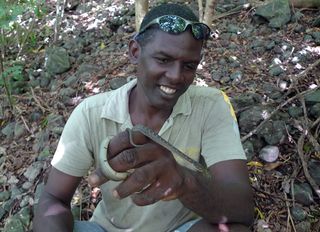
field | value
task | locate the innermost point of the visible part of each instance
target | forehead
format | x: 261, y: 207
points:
x: 182, y: 45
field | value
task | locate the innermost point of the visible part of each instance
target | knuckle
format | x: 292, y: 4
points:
x: 128, y: 157
x: 140, y: 176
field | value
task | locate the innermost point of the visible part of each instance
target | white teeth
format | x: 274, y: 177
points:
x: 167, y: 90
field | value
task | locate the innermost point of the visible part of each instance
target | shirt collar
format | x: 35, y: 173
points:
x: 116, y: 107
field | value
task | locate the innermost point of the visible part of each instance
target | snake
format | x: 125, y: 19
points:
x: 148, y: 132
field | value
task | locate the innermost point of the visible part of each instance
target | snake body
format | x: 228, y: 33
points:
x: 113, y: 175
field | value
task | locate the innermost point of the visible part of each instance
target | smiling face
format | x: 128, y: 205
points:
x: 166, y: 68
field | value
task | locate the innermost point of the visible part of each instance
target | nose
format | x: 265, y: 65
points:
x: 174, y: 72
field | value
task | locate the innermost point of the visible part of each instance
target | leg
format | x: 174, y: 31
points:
x: 84, y: 226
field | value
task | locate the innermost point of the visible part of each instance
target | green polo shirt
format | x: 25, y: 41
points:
x: 201, y: 123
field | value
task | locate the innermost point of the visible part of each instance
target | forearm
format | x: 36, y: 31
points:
x: 217, y: 201
x: 203, y: 226
x: 52, y: 215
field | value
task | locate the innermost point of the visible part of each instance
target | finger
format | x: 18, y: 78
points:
x: 97, y: 178
x: 134, y: 157
x: 121, y: 142
x: 137, y: 181
x: 152, y: 194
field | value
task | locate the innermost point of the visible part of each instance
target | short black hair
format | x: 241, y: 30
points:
x: 164, y: 9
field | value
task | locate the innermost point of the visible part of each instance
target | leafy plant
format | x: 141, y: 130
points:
x: 14, y: 36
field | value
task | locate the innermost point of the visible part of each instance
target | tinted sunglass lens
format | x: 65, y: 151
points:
x: 172, y: 24
x: 200, y: 31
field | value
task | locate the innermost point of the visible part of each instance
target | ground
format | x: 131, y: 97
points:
x: 276, y: 68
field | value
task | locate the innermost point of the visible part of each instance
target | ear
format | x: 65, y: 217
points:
x: 134, y: 51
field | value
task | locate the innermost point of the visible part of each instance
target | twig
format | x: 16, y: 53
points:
x: 244, y: 138
x: 37, y: 100
x: 295, y: 78
x: 289, y: 219
x: 304, y: 164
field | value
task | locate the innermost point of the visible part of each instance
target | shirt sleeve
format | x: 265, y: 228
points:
x: 74, y: 152
x: 221, y: 137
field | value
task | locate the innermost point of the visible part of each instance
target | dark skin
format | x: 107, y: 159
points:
x: 166, y: 68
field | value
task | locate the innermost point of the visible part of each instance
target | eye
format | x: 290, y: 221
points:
x: 191, y: 66
x: 162, y: 60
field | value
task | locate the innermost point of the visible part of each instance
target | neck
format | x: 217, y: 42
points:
x: 141, y: 112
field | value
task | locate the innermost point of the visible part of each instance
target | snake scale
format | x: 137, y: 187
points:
x: 117, y: 176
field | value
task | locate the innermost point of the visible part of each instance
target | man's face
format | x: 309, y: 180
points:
x: 166, y: 68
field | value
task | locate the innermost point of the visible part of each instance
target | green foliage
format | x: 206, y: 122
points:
x: 12, y: 73
x: 9, y: 12
x: 15, y: 35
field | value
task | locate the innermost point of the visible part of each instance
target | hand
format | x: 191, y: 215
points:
x: 156, y: 175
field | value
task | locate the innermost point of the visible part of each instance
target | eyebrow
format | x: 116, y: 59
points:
x: 161, y: 53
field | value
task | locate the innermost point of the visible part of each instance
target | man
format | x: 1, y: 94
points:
x: 161, y: 193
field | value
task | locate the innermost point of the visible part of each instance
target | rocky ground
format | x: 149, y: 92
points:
x: 271, y: 75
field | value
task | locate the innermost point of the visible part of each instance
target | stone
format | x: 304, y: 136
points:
x: 16, y: 193
x: 315, y: 110
x: 308, y: 38
x: 57, y: 60
x: 8, y: 130
x: 35, y: 116
x: 249, y: 150
x: 67, y: 92
x: 7, y: 205
x: 233, y: 29
x: 116, y: 83
x: 24, y: 201
x: 44, y: 154
x: 19, y: 130
x: 276, y: 70
x: 33, y: 171
x: 87, y: 68
x: 250, y: 118
x: 314, y: 169
x: 245, y: 100
x: 2, y: 151
x: 3, y: 178
x: 236, y: 76
x: 304, y: 226
x: 24, y: 216
x: 39, y: 190
x: 27, y: 185
x: 13, y: 224
x: 312, y: 98
x: 71, y: 81
x: 4, y: 195
x: 269, y: 153
x: 276, y: 12
x: 2, y: 213
x: 55, y: 120
x: 295, y: 111
x: 273, y: 132
x: 45, y: 79
x: 298, y: 213
x: 41, y: 140
x: 272, y: 91
x: 270, y: 45
x: 303, y: 193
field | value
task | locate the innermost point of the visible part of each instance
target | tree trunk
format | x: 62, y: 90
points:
x: 200, y: 6
x: 209, y: 12
x: 141, y: 8
x: 305, y: 3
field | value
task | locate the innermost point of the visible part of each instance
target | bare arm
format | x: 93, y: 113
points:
x: 53, y: 211
x: 225, y: 198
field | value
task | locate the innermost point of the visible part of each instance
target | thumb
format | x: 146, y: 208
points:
x: 96, y: 178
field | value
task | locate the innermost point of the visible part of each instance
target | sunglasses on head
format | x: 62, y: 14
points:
x: 175, y: 25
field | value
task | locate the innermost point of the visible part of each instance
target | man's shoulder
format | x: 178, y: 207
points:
x: 206, y: 93
x: 95, y: 101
